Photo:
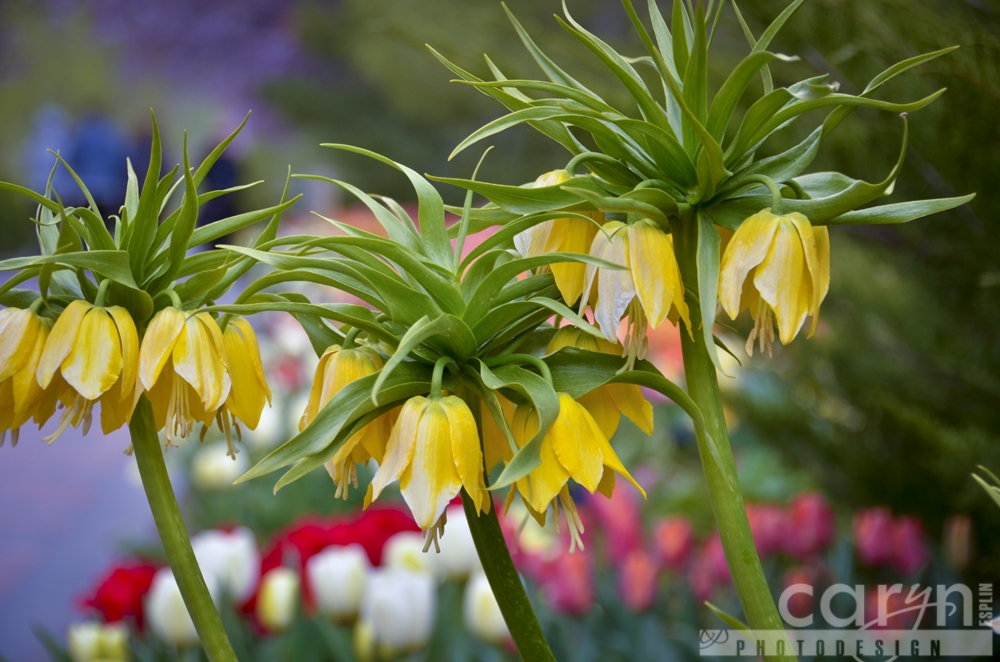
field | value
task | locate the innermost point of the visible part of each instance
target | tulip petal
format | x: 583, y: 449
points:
x: 60, y: 341
x: 576, y: 441
x: 631, y: 402
x: 158, y: 343
x: 401, y: 445
x: 782, y: 281
x: 747, y: 248
x: 431, y: 480
x: 468, y: 456
x: 17, y: 339
x: 130, y: 347
x: 95, y: 362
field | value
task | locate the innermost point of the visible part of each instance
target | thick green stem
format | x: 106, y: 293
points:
x: 174, y: 536
x: 723, y: 483
x: 499, y: 567
x: 506, y: 584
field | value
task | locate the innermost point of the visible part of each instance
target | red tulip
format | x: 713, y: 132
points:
x: 873, y: 536
x: 769, y: 527
x: 909, y: 548
x: 637, y: 580
x: 120, y: 594
x: 811, y: 526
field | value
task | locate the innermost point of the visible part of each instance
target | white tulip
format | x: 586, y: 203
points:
x: 405, y: 551
x: 278, y: 600
x: 232, y: 558
x: 165, y: 610
x: 397, y: 612
x: 458, y: 557
x: 337, y: 577
x: 482, y: 613
x: 94, y: 642
x: 213, y: 469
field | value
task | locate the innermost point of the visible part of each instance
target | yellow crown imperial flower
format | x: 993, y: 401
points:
x: 495, y: 446
x: 249, y: 391
x: 95, y: 350
x: 779, y: 268
x: 337, y: 368
x: 433, y: 452
x: 181, y: 367
x: 574, y: 447
x: 649, y: 289
x: 561, y: 235
x: 606, y: 403
x: 22, y: 339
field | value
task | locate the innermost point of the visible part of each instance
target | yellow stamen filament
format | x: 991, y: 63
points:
x: 763, y: 329
x: 433, y: 534
x: 79, y: 411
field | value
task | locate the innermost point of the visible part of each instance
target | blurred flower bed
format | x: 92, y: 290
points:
x: 303, y: 575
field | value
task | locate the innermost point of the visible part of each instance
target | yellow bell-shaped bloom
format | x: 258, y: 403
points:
x: 779, y: 268
x: 574, y: 447
x: 22, y: 339
x: 249, y: 391
x: 561, y: 235
x: 337, y: 368
x: 606, y: 403
x: 95, y: 350
x: 648, y: 289
x: 496, y: 448
x: 182, y: 370
x: 433, y: 452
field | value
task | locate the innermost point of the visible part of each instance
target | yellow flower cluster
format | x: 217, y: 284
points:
x: 192, y: 371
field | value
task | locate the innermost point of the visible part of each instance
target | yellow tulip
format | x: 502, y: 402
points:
x: 94, y: 350
x: 779, y: 268
x: 182, y: 370
x: 337, y: 368
x: 574, y: 447
x: 22, y: 339
x: 561, y: 235
x: 433, y: 452
x: 650, y: 288
x: 249, y: 391
x: 606, y: 403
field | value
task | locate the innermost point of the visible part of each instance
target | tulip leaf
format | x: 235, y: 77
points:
x: 31, y: 195
x: 665, y: 150
x: 731, y: 621
x: 349, y: 404
x: 110, y: 264
x: 900, y: 212
x: 219, y: 229
x: 430, y: 212
x: 545, y: 401
x: 143, y: 226
x: 345, y: 313
x: 528, y: 199
x: 695, y: 88
x: 780, y: 167
x: 17, y: 298
x: 567, y: 313
x: 732, y: 90
x: 183, y: 226
x: 321, y: 336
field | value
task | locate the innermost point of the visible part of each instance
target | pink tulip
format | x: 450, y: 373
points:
x: 811, y: 526
x: 568, y: 584
x: 620, y: 519
x: 709, y: 569
x: 909, y: 548
x: 800, y: 604
x: 673, y: 540
x: 873, y: 536
x: 769, y: 527
x: 637, y: 580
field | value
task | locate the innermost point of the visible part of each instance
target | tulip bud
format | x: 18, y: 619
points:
x: 769, y: 527
x: 405, y: 551
x: 94, y: 642
x: 811, y: 526
x: 166, y: 613
x: 872, y: 536
x: 399, y: 607
x: 213, y: 469
x: 909, y: 549
x: 277, y: 602
x: 482, y: 613
x: 337, y: 577
x: 231, y: 557
x: 458, y: 557
x: 673, y: 539
x: 637, y: 581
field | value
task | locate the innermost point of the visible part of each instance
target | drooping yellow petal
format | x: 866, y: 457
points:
x: 26, y: 391
x: 95, y: 362
x: 615, y: 287
x: 655, y: 272
x: 197, y: 360
x: 496, y: 447
x: 809, y: 251
x: 116, y: 408
x: 821, y: 277
x: 597, y: 248
x: 611, y: 461
x: 431, y: 480
x: 401, y: 446
x: 570, y: 235
x: 542, y: 485
x: 316, y: 392
x: 249, y: 391
x: 603, y: 409
x: 60, y: 341
x: 576, y: 441
x: 17, y: 338
x: 747, y: 249
x: 783, y: 282
x: 468, y: 456
x: 130, y: 347
x: 629, y: 400
x: 158, y: 344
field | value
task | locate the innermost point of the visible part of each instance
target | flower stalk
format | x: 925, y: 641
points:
x: 720, y: 468
x: 173, y: 534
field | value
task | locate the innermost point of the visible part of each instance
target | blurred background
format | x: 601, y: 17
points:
x: 890, y: 406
